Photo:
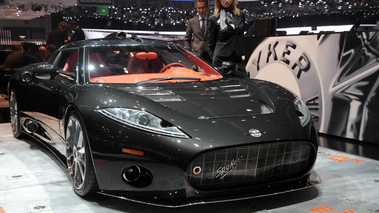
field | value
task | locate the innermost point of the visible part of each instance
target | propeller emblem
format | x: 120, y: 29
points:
x: 255, y: 133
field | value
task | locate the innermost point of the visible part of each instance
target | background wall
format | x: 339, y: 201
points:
x: 335, y: 74
x: 31, y: 29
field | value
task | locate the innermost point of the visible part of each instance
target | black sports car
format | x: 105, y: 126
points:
x: 148, y: 121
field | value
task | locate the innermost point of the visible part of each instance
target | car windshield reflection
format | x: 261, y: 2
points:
x: 135, y: 64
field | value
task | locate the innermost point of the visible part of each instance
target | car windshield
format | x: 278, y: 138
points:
x: 146, y: 64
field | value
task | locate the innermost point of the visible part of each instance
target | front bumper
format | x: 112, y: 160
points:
x: 262, y: 170
x: 268, y: 190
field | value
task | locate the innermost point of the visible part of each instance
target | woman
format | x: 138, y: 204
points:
x: 226, y: 35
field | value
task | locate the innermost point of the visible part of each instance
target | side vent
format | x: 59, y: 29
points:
x: 236, y: 91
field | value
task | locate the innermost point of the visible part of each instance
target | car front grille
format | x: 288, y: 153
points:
x: 250, y: 165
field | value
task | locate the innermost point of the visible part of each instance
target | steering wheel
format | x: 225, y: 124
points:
x: 171, y: 65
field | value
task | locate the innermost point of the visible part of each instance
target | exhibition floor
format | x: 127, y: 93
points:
x: 32, y: 180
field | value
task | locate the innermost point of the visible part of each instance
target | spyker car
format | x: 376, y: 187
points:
x: 149, y: 121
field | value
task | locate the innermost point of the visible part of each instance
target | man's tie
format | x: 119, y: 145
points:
x: 202, y: 26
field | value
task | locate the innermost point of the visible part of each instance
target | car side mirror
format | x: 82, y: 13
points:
x: 46, y: 74
x: 29, y: 76
x: 227, y: 68
x: 43, y: 72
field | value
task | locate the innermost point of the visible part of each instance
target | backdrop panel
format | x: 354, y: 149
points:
x: 336, y: 74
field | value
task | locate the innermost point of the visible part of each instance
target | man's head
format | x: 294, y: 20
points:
x: 62, y: 24
x: 72, y: 25
x: 42, y: 50
x: 202, y: 7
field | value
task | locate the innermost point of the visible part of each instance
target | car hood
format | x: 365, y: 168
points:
x: 211, y: 99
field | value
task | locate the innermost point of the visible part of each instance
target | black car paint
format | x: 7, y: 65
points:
x: 204, y: 112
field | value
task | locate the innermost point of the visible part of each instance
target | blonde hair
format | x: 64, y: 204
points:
x: 218, y: 7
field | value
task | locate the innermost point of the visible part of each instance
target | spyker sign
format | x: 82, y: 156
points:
x: 291, y: 63
x: 335, y: 74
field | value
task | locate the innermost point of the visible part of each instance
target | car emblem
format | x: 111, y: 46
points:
x: 222, y: 171
x: 255, y: 133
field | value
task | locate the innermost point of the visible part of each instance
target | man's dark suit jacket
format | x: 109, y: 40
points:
x: 57, y: 37
x: 78, y: 35
x: 18, y: 59
x: 224, y: 42
x: 194, y: 38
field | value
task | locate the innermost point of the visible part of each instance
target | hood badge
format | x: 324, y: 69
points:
x: 255, y: 133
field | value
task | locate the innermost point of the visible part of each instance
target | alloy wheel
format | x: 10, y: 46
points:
x: 76, y: 152
x: 15, y: 115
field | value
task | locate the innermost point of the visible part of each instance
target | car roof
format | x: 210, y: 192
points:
x: 115, y: 41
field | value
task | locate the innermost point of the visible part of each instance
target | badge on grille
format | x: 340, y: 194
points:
x: 222, y: 171
x: 255, y: 133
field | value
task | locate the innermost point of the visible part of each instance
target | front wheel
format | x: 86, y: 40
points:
x: 15, y: 116
x: 79, y: 161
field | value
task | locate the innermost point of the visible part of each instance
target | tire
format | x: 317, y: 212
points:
x: 15, y: 116
x: 79, y: 161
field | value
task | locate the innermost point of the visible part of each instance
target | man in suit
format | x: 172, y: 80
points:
x: 77, y: 32
x: 196, y: 32
x: 58, y: 36
x: 17, y: 58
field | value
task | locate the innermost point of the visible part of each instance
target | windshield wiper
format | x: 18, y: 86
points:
x: 166, y: 79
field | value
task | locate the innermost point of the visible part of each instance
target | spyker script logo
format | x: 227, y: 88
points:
x: 222, y: 171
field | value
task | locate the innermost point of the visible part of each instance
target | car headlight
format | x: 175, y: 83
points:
x: 143, y: 120
x: 302, y: 111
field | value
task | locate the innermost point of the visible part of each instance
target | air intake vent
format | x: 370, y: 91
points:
x: 158, y: 94
x: 236, y: 91
x: 250, y: 165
